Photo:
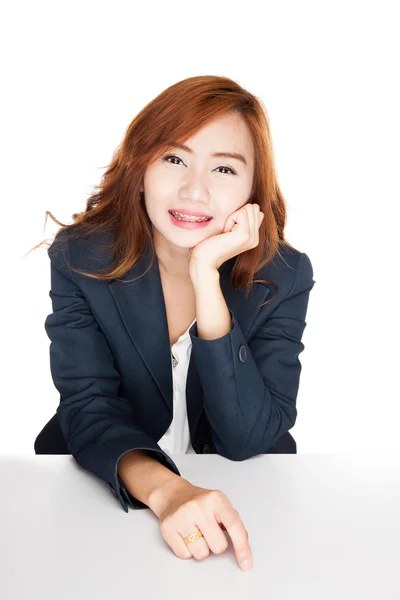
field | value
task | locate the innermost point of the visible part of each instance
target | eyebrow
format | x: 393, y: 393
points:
x: 235, y: 155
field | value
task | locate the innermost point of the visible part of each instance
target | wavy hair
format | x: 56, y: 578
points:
x: 176, y: 114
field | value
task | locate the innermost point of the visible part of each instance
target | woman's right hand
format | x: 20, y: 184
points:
x: 184, y: 508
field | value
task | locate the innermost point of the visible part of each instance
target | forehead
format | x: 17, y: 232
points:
x: 229, y: 132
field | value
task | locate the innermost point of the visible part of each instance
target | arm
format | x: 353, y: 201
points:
x: 147, y: 479
x: 212, y: 314
x: 96, y: 423
x: 250, y: 398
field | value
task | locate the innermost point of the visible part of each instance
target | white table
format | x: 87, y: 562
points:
x: 320, y: 526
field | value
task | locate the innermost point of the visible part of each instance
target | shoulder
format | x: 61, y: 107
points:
x: 74, y: 238
x: 289, y: 268
x: 84, y: 250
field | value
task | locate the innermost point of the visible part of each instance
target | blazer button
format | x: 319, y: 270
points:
x: 206, y: 449
x: 242, y: 353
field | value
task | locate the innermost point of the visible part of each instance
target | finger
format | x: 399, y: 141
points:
x: 250, y: 213
x: 244, y: 219
x: 224, y: 529
x: 239, y: 536
x: 253, y: 219
x: 258, y: 217
x: 236, y: 217
x: 212, y: 532
x: 198, y: 547
x: 230, y: 223
x: 175, y: 541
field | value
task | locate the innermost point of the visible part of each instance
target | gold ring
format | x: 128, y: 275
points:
x: 192, y: 537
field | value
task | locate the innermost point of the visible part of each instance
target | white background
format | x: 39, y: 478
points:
x: 73, y: 77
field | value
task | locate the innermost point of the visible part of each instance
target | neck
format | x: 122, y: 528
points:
x: 176, y: 276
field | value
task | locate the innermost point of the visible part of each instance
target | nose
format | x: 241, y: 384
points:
x: 195, y: 188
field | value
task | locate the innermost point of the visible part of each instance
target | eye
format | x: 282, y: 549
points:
x: 166, y: 159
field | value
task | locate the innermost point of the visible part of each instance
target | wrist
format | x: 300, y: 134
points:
x: 201, y: 274
x: 164, y: 493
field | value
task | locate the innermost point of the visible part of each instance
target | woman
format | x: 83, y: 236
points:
x: 161, y: 340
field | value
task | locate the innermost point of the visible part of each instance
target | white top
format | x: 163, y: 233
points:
x: 176, y: 440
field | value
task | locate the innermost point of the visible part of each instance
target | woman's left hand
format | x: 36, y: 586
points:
x: 241, y: 233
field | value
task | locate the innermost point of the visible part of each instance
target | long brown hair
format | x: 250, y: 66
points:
x: 176, y: 114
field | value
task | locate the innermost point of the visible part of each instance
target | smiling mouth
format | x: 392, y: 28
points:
x: 188, y: 219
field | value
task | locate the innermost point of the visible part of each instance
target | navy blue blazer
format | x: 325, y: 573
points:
x: 110, y: 360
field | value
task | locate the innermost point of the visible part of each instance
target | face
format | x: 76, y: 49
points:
x: 192, y: 179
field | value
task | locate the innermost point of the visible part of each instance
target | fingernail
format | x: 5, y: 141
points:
x: 247, y: 565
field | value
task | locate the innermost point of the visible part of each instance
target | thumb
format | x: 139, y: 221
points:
x: 230, y: 223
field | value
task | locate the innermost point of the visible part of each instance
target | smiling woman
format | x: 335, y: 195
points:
x: 155, y: 269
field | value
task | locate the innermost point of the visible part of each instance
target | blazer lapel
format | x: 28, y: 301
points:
x: 141, y: 305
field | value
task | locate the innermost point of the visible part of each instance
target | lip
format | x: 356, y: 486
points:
x: 186, y: 225
x: 189, y: 213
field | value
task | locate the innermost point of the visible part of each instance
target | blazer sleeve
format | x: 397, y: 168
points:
x: 97, y: 424
x: 250, y: 389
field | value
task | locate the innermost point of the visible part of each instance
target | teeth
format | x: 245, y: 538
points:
x: 181, y: 217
